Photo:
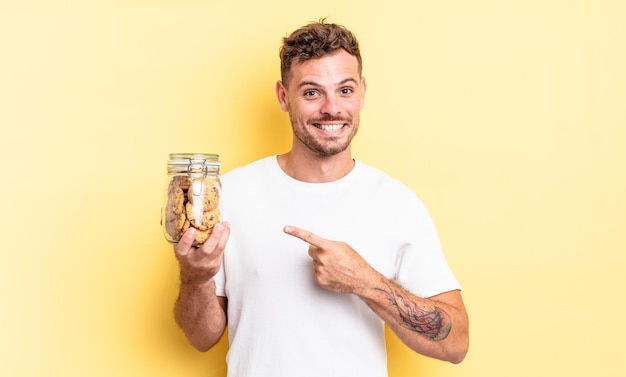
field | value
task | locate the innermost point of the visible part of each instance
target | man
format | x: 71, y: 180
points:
x: 297, y: 302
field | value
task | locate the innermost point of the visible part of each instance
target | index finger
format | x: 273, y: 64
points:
x: 305, y: 235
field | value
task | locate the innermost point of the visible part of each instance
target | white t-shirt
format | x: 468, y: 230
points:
x: 280, y: 322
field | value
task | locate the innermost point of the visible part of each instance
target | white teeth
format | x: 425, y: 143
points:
x: 330, y: 127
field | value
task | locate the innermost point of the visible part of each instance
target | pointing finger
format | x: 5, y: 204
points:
x: 305, y: 236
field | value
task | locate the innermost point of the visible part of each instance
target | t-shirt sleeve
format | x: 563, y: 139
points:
x: 421, y: 266
x: 220, y: 282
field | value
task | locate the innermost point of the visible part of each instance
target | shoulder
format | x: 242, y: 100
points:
x: 379, y: 180
x: 256, y: 169
x: 398, y: 199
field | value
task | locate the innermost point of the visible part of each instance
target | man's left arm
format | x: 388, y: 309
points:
x: 436, y: 326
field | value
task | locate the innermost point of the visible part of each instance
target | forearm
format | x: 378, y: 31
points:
x: 430, y: 327
x: 199, y: 314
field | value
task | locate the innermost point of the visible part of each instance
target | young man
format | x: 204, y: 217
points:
x: 317, y: 250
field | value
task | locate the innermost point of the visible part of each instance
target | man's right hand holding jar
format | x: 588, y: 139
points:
x: 197, y: 303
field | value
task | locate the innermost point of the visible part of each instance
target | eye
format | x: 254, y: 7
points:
x: 310, y: 93
x: 347, y: 91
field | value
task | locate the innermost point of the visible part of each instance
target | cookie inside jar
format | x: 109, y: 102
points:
x: 192, y: 199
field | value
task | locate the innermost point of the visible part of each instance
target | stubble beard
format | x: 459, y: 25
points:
x: 330, y: 146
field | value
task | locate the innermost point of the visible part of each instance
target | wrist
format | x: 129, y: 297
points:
x: 196, y: 278
x: 371, y: 286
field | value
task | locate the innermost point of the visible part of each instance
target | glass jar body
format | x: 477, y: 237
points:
x: 191, y: 196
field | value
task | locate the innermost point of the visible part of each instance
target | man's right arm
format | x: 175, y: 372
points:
x: 199, y: 312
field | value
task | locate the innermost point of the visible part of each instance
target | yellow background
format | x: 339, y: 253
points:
x: 507, y: 118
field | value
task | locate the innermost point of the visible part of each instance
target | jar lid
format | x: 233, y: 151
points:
x: 185, y: 157
x: 179, y: 162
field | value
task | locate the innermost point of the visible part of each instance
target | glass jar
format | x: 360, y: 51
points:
x: 191, y: 196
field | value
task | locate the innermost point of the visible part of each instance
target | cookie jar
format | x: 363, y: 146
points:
x: 191, y: 196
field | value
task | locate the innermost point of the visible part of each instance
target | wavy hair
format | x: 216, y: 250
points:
x: 315, y: 40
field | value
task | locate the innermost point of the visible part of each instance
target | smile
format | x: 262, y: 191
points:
x: 329, y: 127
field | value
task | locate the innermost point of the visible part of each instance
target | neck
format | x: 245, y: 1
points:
x: 316, y: 169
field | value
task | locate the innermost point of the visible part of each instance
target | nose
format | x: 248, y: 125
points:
x: 330, y: 105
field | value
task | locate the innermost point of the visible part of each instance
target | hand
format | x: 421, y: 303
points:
x: 200, y: 264
x: 337, y: 266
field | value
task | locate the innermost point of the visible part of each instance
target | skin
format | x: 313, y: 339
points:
x: 198, y: 311
x: 324, y: 98
x: 436, y: 327
x: 322, y: 93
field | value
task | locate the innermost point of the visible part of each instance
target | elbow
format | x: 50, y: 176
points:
x: 458, y: 352
x: 460, y: 345
x: 201, y: 345
x: 458, y: 358
x: 203, y: 341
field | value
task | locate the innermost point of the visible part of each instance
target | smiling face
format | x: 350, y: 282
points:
x: 323, y: 99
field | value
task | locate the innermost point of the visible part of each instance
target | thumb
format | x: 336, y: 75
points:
x: 186, y: 242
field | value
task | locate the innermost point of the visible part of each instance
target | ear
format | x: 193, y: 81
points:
x: 363, y: 90
x: 281, y: 94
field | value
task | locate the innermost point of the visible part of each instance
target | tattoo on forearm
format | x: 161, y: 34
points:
x: 431, y: 321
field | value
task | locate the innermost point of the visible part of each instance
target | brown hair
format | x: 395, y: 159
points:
x: 315, y: 40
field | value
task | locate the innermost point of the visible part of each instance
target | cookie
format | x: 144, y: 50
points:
x: 191, y: 203
x: 174, y: 212
x: 211, y: 218
x: 202, y: 236
x: 205, y: 191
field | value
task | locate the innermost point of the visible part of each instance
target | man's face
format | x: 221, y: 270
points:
x: 324, y: 99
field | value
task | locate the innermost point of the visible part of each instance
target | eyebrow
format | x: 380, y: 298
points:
x: 313, y: 83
